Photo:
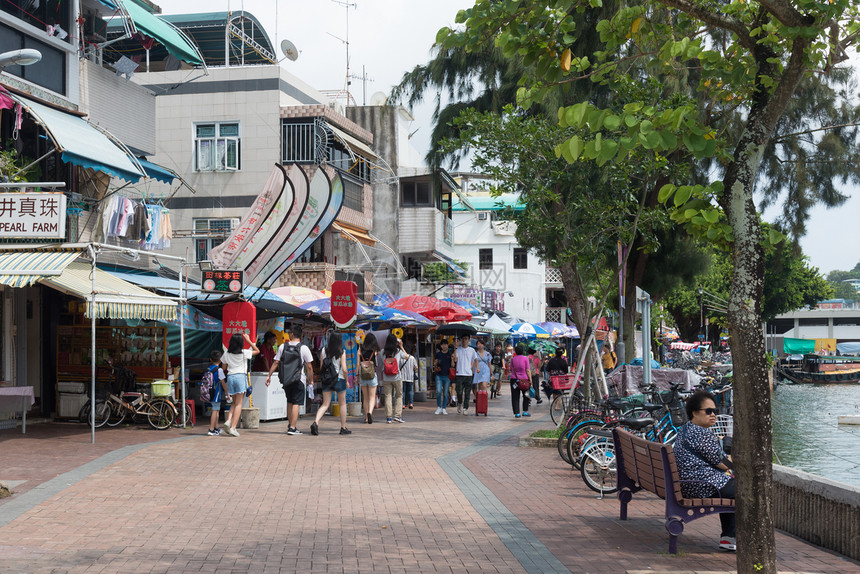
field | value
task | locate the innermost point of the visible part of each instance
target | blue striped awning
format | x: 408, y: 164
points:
x: 23, y: 268
x: 114, y: 298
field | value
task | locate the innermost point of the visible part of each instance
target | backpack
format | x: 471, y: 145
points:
x: 290, y: 369
x: 206, y: 384
x: 390, y: 366
x: 328, y: 373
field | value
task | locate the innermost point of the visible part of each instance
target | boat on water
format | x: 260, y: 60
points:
x: 821, y: 370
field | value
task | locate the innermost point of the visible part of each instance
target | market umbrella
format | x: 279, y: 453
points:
x: 528, y: 330
x: 404, y: 318
x: 297, y: 295
x: 458, y: 329
x: 323, y: 307
x: 554, y: 329
x: 495, y: 322
x: 267, y: 308
x: 465, y: 305
x: 432, y: 308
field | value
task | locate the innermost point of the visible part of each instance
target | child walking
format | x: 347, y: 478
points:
x: 219, y: 390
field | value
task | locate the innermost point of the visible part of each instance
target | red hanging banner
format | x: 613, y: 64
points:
x: 344, y: 303
x: 239, y: 317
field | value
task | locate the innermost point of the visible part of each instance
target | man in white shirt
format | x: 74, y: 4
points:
x: 466, y: 359
x: 297, y: 359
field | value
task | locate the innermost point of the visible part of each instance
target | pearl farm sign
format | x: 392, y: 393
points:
x: 37, y: 215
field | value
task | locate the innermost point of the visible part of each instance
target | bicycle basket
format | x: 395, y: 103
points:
x: 724, y: 425
x: 677, y: 413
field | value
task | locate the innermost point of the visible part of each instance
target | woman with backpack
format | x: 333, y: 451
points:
x: 236, y: 360
x: 367, y: 376
x: 393, y: 359
x: 333, y: 378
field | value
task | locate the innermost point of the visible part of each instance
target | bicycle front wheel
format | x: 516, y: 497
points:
x: 577, y: 438
x: 117, y: 415
x: 160, y: 415
x: 556, y: 410
x: 598, y: 468
x: 103, y: 413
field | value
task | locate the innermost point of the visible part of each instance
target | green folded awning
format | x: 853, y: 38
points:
x: 798, y: 346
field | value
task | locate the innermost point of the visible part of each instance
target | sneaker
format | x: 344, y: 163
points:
x: 539, y: 401
x: 389, y: 421
x: 369, y: 419
x: 315, y: 429
x: 728, y: 543
x: 518, y: 415
x: 213, y: 433
x: 398, y: 420
x: 233, y: 432
x: 444, y: 411
x: 466, y: 412
x: 410, y: 407
x: 459, y: 410
x: 345, y: 430
x: 438, y: 411
x: 526, y: 415
x: 292, y: 431
x: 226, y: 428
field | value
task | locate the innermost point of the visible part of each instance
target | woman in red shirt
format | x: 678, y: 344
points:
x: 521, y: 381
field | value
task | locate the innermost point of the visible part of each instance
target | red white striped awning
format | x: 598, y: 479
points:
x: 683, y: 346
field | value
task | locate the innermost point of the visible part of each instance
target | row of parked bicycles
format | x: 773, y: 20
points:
x: 121, y: 399
x: 586, y: 440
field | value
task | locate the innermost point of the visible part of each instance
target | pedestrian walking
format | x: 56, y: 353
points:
x: 236, y: 360
x: 441, y: 370
x: 410, y: 374
x: 367, y: 376
x: 534, y: 369
x: 497, y: 369
x: 521, y: 381
x: 218, y: 392
x: 608, y: 358
x: 393, y: 359
x: 333, y: 349
x: 296, y: 372
x: 466, y: 360
x: 483, y: 373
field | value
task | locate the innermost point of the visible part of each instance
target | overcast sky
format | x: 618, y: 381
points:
x: 390, y: 37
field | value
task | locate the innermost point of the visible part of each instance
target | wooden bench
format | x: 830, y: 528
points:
x: 651, y: 466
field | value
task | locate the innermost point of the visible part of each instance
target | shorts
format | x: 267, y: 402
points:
x: 338, y: 387
x: 369, y: 382
x: 215, y: 406
x: 237, y: 383
x: 295, y: 392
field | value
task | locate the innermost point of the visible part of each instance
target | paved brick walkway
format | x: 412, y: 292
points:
x: 437, y: 494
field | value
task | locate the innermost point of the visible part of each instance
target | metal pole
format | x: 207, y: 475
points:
x: 182, y: 341
x: 93, y: 347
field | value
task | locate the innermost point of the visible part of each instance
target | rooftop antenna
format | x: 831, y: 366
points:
x: 364, y: 78
x: 289, y: 50
x: 346, y: 5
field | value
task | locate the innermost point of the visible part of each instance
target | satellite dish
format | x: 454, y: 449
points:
x: 378, y: 99
x: 290, y: 51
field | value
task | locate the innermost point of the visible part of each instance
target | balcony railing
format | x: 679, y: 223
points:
x: 555, y: 314
x: 552, y: 275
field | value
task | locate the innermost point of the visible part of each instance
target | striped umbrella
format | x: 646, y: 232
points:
x: 528, y: 331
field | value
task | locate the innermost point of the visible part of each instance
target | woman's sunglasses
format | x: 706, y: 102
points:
x: 711, y: 411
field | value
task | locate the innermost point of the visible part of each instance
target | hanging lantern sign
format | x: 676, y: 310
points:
x: 239, y: 317
x: 344, y: 303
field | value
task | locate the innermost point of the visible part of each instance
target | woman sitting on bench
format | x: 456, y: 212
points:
x: 702, y: 464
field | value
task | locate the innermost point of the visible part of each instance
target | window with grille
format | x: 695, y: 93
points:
x: 353, y: 194
x: 211, y: 232
x: 521, y: 258
x: 216, y: 146
x: 485, y: 258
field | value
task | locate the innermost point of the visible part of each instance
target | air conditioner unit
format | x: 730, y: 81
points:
x: 482, y: 216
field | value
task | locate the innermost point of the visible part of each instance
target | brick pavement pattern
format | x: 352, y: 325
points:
x: 437, y: 494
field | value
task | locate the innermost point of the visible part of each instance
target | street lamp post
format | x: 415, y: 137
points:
x: 23, y: 57
x: 701, y: 310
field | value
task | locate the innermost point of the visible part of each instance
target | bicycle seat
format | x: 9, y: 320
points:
x: 616, y: 403
x: 636, y: 424
x: 651, y: 407
x: 603, y: 433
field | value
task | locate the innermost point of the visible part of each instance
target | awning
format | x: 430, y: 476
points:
x: 352, y: 142
x: 81, y: 143
x: 155, y: 282
x: 450, y: 263
x: 356, y: 235
x: 114, y: 298
x: 168, y: 35
x: 23, y: 268
x: 156, y: 171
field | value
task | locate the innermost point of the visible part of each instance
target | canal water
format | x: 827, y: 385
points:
x: 806, y: 435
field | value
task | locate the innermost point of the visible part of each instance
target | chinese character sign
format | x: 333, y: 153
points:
x: 32, y: 215
x: 239, y: 317
x: 223, y: 281
x: 344, y: 303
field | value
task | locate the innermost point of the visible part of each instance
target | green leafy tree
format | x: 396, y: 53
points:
x: 748, y: 56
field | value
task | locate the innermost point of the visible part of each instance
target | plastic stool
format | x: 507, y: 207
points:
x: 190, y: 403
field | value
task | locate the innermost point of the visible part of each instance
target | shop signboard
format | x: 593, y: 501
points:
x: 223, y: 281
x: 37, y: 215
x: 344, y: 303
x: 239, y: 317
